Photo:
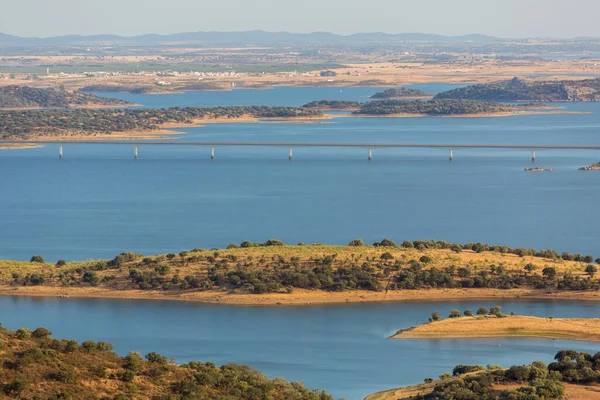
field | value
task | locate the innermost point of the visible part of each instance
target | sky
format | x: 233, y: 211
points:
x: 503, y: 18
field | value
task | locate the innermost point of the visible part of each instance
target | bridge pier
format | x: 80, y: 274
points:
x: 135, y: 153
x: 370, y: 157
x: 290, y: 155
x: 212, y: 153
x: 60, y: 152
x: 533, y: 155
x: 451, y: 157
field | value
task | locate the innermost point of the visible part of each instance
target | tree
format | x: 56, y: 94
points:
x: 591, y: 270
x: 385, y: 243
x: 454, y: 314
x: 530, y: 267
x: 61, y: 263
x: 41, y: 333
x: 496, y: 310
x: 435, y: 316
x: 482, y: 311
x: 356, y: 243
x: 91, y: 277
x: 468, y: 313
x: 37, y: 259
x: 387, y: 256
x: 549, y: 272
x: 425, y: 259
x: 23, y: 333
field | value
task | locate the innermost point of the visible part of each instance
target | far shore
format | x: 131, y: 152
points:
x: 299, y: 297
x: 580, y: 329
x: 168, y: 129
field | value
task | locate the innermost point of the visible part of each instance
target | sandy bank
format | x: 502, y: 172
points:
x: 298, y: 297
x: 12, y: 146
x: 511, y: 326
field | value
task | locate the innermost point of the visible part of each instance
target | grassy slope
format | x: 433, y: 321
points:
x: 45, y: 368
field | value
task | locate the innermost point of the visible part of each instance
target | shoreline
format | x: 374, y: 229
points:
x: 299, y: 297
x: 18, y: 146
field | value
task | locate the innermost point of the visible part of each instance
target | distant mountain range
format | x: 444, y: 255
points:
x: 230, y: 38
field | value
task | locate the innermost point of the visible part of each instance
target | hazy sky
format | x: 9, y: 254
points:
x: 506, y: 18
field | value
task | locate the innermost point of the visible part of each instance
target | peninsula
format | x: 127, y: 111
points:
x: 520, y: 90
x: 572, y: 375
x: 439, y: 108
x: 132, y: 123
x: 593, y: 167
x: 16, y: 97
x: 486, y: 326
x: 35, y: 366
x: 272, y: 273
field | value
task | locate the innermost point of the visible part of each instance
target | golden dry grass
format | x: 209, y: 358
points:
x: 584, y: 329
x: 264, y: 258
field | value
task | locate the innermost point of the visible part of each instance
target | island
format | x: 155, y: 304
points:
x: 272, y: 273
x: 498, y: 325
x: 538, y: 169
x: 517, y: 89
x: 134, y: 123
x: 572, y: 375
x: 401, y: 93
x: 445, y: 107
x: 16, y: 97
x: 35, y: 365
x: 593, y: 167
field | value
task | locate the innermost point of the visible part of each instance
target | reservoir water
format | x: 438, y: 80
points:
x: 342, y: 349
x: 98, y: 201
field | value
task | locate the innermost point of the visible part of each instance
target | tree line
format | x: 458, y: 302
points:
x: 436, y: 107
x: 93, y: 121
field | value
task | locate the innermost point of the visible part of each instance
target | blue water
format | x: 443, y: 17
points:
x: 342, y: 349
x: 276, y: 96
x: 98, y: 201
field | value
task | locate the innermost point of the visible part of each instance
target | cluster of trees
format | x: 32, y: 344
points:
x: 15, y: 96
x: 37, y: 366
x: 519, y: 90
x: 432, y: 107
x: 538, y: 382
x: 334, y: 104
x: 22, y: 123
x: 399, y: 92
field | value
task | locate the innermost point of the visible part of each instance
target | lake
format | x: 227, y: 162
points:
x: 341, y: 348
x: 97, y: 201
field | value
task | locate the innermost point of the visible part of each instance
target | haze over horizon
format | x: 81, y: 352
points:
x: 507, y: 18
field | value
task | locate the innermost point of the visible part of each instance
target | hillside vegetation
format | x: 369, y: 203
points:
x: 434, y: 107
x: 272, y: 267
x: 21, y: 124
x: 570, y: 374
x: 36, y: 366
x: 519, y: 90
x: 400, y: 93
x: 14, y: 96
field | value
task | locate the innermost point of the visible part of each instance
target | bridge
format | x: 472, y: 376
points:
x: 291, y: 145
